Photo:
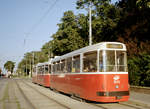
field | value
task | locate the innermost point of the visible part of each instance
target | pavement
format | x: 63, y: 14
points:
x: 140, y: 98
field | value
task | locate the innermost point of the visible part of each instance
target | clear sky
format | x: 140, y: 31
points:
x: 26, y: 25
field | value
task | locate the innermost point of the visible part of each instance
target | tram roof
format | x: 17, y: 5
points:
x: 98, y: 46
x: 41, y: 64
x: 44, y: 63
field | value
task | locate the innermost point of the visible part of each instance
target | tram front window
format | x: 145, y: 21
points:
x: 110, y: 61
x: 113, y: 61
x: 121, y: 60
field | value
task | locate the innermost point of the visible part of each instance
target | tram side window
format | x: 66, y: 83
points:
x: 63, y: 66
x: 58, y: 66
x: 46, y: 69
x: 90, y: 62
x: 101, y: 64
x: 121, y: 61
x: 76, y: 64
x: 42, y: 69
x: 38, y: 70
x: 49, y: 68
x: 69, y: 65
x: 110, y: 61
x: 54, y: 70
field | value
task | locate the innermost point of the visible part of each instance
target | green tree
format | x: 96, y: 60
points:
x: 133, y: 27
x: 139, y: 70
x: 30, y: 59
x: 105, y: 17
x: 9, y: 66
x: 67, y: 37
x: 0, y: 71
x: 47, y: 50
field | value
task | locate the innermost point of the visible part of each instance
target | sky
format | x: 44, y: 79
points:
x: 26, y: 25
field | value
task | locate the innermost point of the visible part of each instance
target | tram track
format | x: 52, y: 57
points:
x: 118, y: 106
x: 123, y: 105
x: 46, y: 95
x: 25, y: 97
x: 135, y: 105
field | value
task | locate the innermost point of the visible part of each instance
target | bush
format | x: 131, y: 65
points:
x: 139, y: 70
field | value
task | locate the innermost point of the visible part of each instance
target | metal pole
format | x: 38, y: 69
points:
x: 30, y: 67
x: 26, y: 68
x: 32, y: 64
x: 90, y: 26
x: 33, y: 58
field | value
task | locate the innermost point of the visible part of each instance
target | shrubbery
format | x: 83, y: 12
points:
x: 139, y: 70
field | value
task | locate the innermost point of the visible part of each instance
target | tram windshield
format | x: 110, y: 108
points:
x: 113, y: 61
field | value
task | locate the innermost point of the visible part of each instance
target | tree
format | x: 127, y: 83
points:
x: 133, y: 29
x: 9, y: 66
x: 67, y: 37
x: 47, y: 50
x: 139, y: 70
x: 0, y: 71
x: 105, y: 17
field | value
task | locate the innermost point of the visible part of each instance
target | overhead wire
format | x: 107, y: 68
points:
x: 39, y: 21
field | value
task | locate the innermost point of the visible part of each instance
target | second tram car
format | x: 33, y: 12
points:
x: 96, y: 73
x: 41, y: 74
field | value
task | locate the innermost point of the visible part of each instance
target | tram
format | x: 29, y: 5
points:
x: 96, y: 73
x: 41, y: 74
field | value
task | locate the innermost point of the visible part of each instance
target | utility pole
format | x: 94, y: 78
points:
x: 26, y: 68
x: 30, y: 67
x: 90, y: 25
x: 33, y: 58
x: 32, y: 63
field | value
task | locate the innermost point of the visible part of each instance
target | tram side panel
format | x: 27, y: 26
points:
x: 94, y: 87
x: 100, y: 87
x: 46, y: 80
x: 114, y: 88
x: 86, y: 86
x: 59, y: 82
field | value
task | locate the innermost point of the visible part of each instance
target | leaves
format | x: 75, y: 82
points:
x: 0, y: 71
x: 139, y: 70
x: 9, y: 66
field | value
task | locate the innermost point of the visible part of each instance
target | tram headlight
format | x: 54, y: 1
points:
x: 117, y: 86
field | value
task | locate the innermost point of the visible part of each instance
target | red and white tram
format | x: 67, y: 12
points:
x: 96, y: 73
x: 41, y: 74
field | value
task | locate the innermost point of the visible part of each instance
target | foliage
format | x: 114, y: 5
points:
x: 139, y: 70
x: 0, y: 71
x: 9, y: 66
x: 133, y: 27
x: 105, y: 17
x: 67, y: 38
x: 29, y: 60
